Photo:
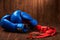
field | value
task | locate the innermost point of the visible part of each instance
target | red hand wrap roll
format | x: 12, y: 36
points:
x: 46, y: 31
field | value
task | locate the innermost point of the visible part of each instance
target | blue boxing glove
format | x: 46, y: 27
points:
x: 26, y: 16
x: 15, y: 17
x: 19, y: 16
x: 8, y: 25
x: 33, y: 22
x: 14, y: 22
x: 22, y: 27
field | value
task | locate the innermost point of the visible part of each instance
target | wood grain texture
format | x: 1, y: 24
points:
x: 45, y: 11
x: 22, y: 36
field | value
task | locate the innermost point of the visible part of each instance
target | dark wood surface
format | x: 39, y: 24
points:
x: 47, y: 12
x: 22, y: 36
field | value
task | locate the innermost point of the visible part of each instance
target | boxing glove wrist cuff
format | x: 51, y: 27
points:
x: 20, y: 26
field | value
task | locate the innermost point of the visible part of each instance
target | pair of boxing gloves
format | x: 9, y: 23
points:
x: 17, y: 21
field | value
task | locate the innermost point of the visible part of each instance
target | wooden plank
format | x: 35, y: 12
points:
x: 58, y: 11
x: 13, y: 6
x: 27, y: 6
x: 40, y: 11
x: 35, y: 9
x: 1, y: 8
x: 7, y: 6
x: 20, y: 4
x: 47, y: 12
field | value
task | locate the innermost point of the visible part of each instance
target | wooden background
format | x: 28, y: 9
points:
x: 47, y: 12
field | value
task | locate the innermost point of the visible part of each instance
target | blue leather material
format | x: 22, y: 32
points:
x: 6, y: 16
x: 6, y: 24
x: 25, y: 30
x: 33, y: 22
x: 20, y: 25
x: 26, y: 16
x: 15, y: 20
x: 15, y: 17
